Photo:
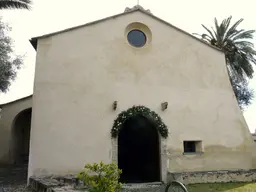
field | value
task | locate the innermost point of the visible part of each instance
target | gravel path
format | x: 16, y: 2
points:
x: 13, y: 178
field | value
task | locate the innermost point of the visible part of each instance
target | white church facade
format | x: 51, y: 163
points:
x: 134, y: 90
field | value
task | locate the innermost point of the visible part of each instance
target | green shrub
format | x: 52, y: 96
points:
x: 101, y: 177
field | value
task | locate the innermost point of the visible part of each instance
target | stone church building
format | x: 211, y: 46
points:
x: 131, y: 89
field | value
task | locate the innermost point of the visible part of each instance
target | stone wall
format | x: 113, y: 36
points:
x: 72, y: 184
x: 214, y: 176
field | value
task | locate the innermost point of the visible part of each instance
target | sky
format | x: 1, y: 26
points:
x: 49, y: 16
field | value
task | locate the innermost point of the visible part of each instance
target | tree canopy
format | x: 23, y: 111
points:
x: 239, y: 53
x: 15, y: 4
x: 9, y: 62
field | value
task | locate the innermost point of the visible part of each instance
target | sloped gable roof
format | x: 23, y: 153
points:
x: 14, y: 101
x: 127, y: 11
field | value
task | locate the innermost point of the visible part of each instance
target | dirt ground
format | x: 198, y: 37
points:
x: 13, y: 178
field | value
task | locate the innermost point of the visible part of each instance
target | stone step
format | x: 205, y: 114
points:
x: 55, y: 184
x: 143, y: 187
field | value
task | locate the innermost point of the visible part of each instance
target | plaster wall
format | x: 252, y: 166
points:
x: 81, y: 72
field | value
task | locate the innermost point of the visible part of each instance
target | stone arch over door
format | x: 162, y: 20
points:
x: 142, y: 115
x: 20, y: 137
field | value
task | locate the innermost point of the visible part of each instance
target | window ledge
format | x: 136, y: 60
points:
x: 193, y: 153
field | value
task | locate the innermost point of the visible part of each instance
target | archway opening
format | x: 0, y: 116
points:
x: 138, y: 151
x: 21, y: 137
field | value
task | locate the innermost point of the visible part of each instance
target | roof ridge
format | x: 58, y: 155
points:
x: 136, y: 7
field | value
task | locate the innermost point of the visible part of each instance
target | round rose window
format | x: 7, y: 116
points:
x: 137, y: 38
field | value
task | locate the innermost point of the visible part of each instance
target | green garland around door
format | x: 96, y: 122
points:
x: 138, y: 110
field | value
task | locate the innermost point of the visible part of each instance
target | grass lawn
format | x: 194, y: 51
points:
x: 222, y: 187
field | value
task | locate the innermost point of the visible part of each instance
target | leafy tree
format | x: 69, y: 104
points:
x: 239, y: 53
x: 9, y: 62
x: 15, y: 4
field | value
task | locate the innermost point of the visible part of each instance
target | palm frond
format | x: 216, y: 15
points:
x: 241, y: 44
x: 244, y: 35
x: 248, y: 51
x: 226, y: 23
x: 235, y: 32
x: 216, y: 36
x: 218, y: 31
x: 197, y: 34
x: 245, y: 66
x: 209, y: 31
x: 222, y: 30
x: 232, y: 29
x: 15, y: 4
x: 204, y: 37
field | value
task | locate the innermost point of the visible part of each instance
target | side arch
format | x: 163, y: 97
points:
x: 8, y: 113
x: 20, y: 137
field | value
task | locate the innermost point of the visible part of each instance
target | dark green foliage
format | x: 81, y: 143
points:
x: 242, y: 91
x: 239, y: 53
x: 9, y: 63
x: 15, y: 4
x: 139, y: 110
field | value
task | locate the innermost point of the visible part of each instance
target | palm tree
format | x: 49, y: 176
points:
x: 239, y: 53
x: 15, y: 4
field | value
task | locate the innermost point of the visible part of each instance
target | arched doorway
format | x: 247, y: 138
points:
x: 21, y: 137
x: 138, y: 151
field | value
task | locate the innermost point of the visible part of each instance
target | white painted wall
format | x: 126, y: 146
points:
x: 81, y: 72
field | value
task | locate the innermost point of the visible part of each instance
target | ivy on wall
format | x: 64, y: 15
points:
x: 139, y: 110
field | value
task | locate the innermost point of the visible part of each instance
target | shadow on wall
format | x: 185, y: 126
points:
x: 21, y: 137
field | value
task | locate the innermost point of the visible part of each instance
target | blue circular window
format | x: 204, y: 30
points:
x: 137, y: 38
